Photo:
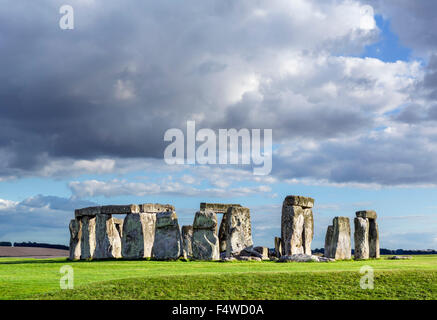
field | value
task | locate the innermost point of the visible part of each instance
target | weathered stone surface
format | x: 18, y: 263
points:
x: 278, y: 247
x: 303, y: 258
x: 168, y: 240
x: 374, y: 251
x: 138, y: 235
x: 264, y: 251
x: 108, y: 241
x: 75, y: 238
x: 187, y: 238
x: 248, y: 258
x: 250, y: 252
x: 217, y: 207
x: 89, y: 211
x: 328, y: 241
x: 400, y: 258
x: 88, y: 239
x: 155, y: 207
x: 205, y: 219
x: 119, y: 226
x: 361, y: 238
x: 304, y: 202
x: 120, y: 209
x: 297, y: 228
x: 340, y: 247
x: 222, y: 235
x: 369, y: 214
x: 238, y: 230
x: 205, y: 243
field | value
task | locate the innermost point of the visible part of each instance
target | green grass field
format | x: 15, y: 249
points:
x: 394, y: 279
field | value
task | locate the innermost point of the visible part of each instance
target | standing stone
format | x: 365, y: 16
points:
x: 108, y: 242
x: 138, y: 235
x: 222, y: 235
x: 119, y: 226
x: 297, y: 225
x: 168, y: 241
x: 278, y: 247
x: 328, y: 241
x: 368, y: 243
x: 205, y: 243
x: 238, y: 230
x: 361, y: 238
x: 187, y: 237
x: 88, y: 239
x: 338, y: 239
x: 75, y: 237
x: 374, y: 251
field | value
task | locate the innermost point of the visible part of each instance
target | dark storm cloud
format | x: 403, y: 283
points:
x: 126, y: 73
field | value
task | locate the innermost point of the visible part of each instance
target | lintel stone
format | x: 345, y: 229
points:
x: 366, y: 214
x: 217, y: 207
x: 121, y: 209
x: 89, y: 211
x: 304, y: 202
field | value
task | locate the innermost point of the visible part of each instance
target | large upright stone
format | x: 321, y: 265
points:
x: 338, y: 239
x: 374, y: 251
x: 88, y: 239
x: 187, y: 238
x: 278, y: 247
x: 297, y: 225
x: 168, y: 241
x: 138, y: 235
x: 238, y: 230
x: 328, y: 241
x: 361, y: 238
x: 75, y: 239
x: 368, y: 243
x: 205, y: 243
x: 119, y: 226
x: 108, y: 241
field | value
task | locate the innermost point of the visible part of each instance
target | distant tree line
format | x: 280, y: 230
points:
x: 34, y: 245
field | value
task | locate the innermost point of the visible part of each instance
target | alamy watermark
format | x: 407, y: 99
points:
x: 230, y: 150
x: 67, y: 279
x: 367, y: 280
x: 67, y: 20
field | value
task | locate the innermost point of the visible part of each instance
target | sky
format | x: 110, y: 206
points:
x: 348, y: 88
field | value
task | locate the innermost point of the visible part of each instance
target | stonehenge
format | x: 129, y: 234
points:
x: 338, y: 239
x: 152, y: 231
x: 366, y: 235
x: 297, y: 225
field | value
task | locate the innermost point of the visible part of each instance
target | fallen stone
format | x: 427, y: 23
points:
x: 75, y: 237
x: 108, y: 241
x: 249, y: 252
x: 88, y: 239
x: 238, y: 230
x: 187, y: 237
x: 400, y: 258
x: 205, y: 243
x: 304, y: 202
x: 248, y: 258
x: 120, y: 209
x: 168, y: 241
x: 264, y: 251
x: 138, y: 235
x: 303, y: 258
